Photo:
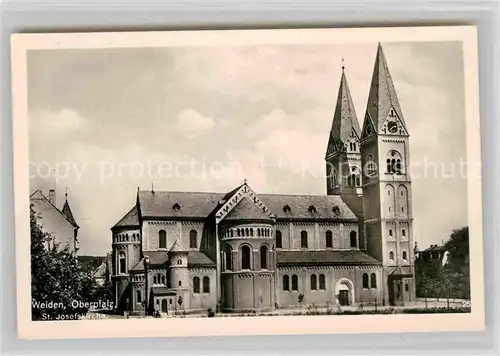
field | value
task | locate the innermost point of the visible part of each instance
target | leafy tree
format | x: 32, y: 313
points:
x: 457, y: 264
x: 58, y: 284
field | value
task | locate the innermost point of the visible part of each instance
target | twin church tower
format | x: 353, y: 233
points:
x: 368, y: 168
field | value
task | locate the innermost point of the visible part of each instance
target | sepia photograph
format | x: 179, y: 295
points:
x: 246, y: 176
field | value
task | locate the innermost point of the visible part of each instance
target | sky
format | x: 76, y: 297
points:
x: 106, y: 121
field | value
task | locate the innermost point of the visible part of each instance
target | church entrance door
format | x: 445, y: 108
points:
x: 344, y: 297
x: 164, y: 306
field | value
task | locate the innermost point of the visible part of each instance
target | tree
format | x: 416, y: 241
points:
x: 58, y: 285
x: 457, y: 266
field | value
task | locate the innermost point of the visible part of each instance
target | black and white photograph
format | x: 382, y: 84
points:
x: 231, y: 177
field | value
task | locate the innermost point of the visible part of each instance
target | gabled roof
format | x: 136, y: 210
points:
x: 382, y: 96
x: 192, y: 204
x: 177, y: 247
x: 435, y: 248
x: 345, y: 121
x: 324, y: 258
x: 200, y: 205
x: 245, y: 209
x: 37, y: 195
x: 129, y: 219
x: 401, y: 271
x: 199, y: 259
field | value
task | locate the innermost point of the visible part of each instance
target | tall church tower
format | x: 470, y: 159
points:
x: 385, y: 155
x: 343, y: 157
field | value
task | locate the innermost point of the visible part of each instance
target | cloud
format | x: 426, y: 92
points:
x: 59, y: 122
x: 192, y: 122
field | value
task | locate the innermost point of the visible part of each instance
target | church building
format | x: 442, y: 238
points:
x: 242, y: 251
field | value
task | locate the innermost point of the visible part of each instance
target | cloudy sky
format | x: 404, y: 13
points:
x: 203, y: 119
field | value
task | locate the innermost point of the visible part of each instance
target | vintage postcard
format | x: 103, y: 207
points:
x: 247, y: 182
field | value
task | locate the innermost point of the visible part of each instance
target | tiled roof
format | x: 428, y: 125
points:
x: 163, y: 291
x: 345, y: 120
x: 382, y: 94
x: 246, y: 209
x: 299, y: 206
x: 129, y: 219
x: 334, y: 257
x: 66, y: 210
x: 435, y: 248
x: 192, y: 204
x: 199, y: 259
x: 160, y: 258
x: 403, y: 271
x: 200, y: 205
x: 177, y: 247
x: 37, y: 195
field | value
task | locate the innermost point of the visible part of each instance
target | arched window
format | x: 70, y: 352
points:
x: 196, y: 285
x: 394, y: 161
x: 389, y: 166
x: 228, y: 256
x: 350, y: 146
x: 405, y: 256
x: 390, y: 232
x: 391, y: 255
x: 193, y: 239
x: 123, y: 262
x: 353, y: 236
x: 403, y: 232
x: 303, y: 239
x: 247, y: 232
x: 245, y: 257
x: 263, y: 257
x: 358, y: 181
x: 138, y: 296
x: 232, y: 233
x: 329, y: 239
x: 155, y: 280
x: 251, y: 231
x: 365, y: 281
x: 295, y: 282
x: 313, y: 282
x: 373, y: 281
x: 354, y: 146
x: 163, y: 279
x: 206, y: 285
x: 179, y: 262
x: 322, y: 282
x: 398, y: 166
x: 162, y: 237
x: 279, y: 242
x: 238, y: 232
x: 286, y: 283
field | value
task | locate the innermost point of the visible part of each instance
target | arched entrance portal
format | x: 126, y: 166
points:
x: 344, y: 291
x: 164, y: 306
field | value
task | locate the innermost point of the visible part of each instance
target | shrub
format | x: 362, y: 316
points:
x: 210, y: 313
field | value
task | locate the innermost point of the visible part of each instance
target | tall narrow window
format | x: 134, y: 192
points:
x: 322, y: 282
x: 286, y: 283
x: 303, y: 239
x: 228, y: 256
x: 389, y: 167
x: 329, y: 239
x: 295, y: 282
x: 405, y: 255
x: 263, y: 257
x: 193, y: 237
x: 353, y: 236
x: 162, y: 237
x: 196, y: 285
x: 245, y: 257
x: 403, y: 232
x: 279, y: 242
x: 139, y: 296
x: 373, y: 281
x: 313, y: 282
x: 122, y: 262
x: 365, y: 281
x: 391, y: 255
x: 206, y: 285
x: 390, y: 232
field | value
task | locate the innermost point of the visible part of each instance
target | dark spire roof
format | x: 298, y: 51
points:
x: 66, y: 210
x: 344, y: 118
x: 382, y: 94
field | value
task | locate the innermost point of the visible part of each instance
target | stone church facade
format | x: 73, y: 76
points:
x: 244, y: 251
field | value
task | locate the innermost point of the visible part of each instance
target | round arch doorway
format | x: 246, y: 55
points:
x: 344, y: 291
x: 164, y: 306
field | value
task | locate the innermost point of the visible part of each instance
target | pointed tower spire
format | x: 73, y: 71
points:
x: 382, y: 97
x: 66, y: 210
x: 345, y: 122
